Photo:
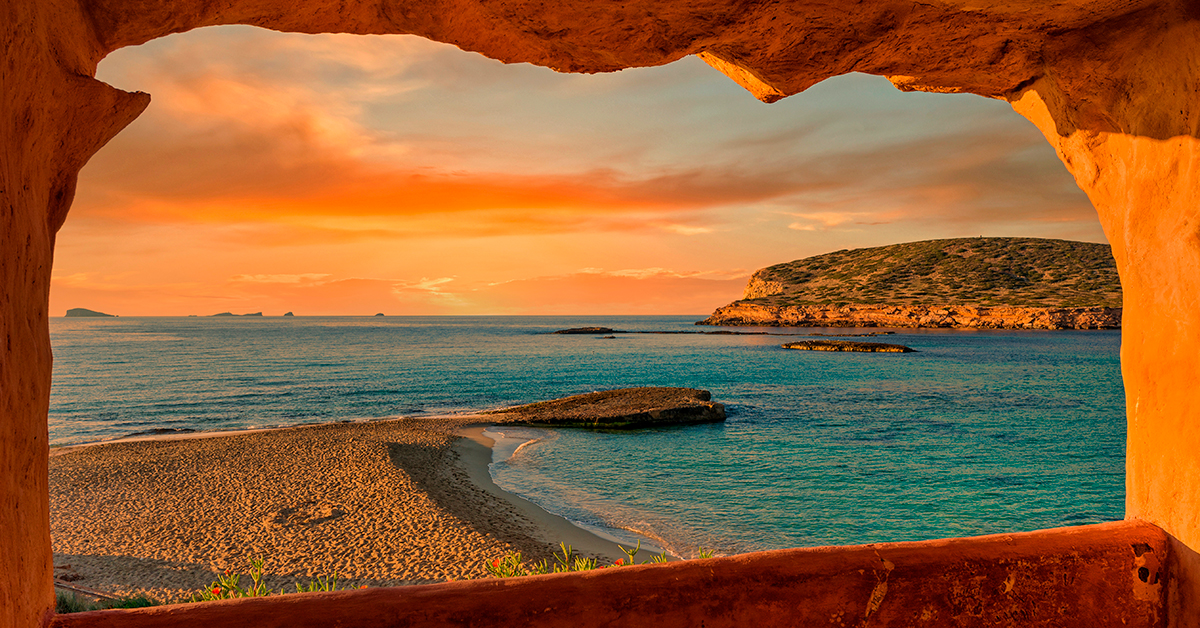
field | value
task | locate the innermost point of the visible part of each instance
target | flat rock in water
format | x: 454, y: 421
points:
x: 586, y: 330
x: 847, y: 345
x: 625, y: 408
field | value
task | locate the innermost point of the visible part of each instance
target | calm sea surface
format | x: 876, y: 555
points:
x: 978, y: 432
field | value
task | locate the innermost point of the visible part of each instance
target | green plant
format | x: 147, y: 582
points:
x: 228, y: 585
x: 134, y: 601
x: 71, y: 602
x: 566, y: 560
x: 511, y: 566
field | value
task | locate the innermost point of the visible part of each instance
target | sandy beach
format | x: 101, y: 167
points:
x: 381, y: 503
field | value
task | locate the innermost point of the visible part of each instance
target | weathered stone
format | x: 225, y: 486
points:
x: 847, y: 345
x: 625, y: 408
x: 742, y: 313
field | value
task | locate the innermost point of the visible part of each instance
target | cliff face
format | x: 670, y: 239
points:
x: 742, y: 313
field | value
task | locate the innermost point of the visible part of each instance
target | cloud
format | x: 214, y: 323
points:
x: 342, y: 174
x: 286, y: 279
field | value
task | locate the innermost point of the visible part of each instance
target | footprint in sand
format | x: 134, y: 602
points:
x: 310, y: 513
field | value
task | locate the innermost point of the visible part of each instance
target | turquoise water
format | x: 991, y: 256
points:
x: 978, y: 432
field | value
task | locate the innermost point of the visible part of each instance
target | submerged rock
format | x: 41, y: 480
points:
x: 848, y: 345
x: 625, y: 408
x: 587, y: 330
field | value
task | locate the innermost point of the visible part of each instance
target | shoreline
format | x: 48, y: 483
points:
x: 475, y: 451
x: 382, y: 503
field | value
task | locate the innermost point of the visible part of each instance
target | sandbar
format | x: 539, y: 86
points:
x: 379, y: 503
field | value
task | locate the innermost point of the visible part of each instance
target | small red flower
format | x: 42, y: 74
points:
x: 217, y: 591
x: 363, y: 586
x: 620, y: 561
x: 496, y: 564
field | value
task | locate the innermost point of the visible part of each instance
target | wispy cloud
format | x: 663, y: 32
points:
x: 391, y: 173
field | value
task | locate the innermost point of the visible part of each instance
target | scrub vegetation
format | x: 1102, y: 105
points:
x: 1026, y: 272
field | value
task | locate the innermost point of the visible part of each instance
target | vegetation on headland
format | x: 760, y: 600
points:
x: 1027, y: 272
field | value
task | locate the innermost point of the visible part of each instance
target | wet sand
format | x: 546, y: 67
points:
x: 382, y: 503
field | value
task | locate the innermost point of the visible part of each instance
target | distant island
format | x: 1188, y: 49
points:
x: 232, y: 314
x: 81, y: 312
x: 986, y: 283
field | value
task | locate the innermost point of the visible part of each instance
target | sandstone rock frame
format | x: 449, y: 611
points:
x: 1112, y: 84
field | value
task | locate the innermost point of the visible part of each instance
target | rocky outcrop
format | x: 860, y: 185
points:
x: 625, y: 408
x: 759, y: 287
x: 741, y: 313
x: 82, y: 312
x: 586, y: 330
x: 847, y: 345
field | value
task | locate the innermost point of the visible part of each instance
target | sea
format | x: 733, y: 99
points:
x: 977, y: 432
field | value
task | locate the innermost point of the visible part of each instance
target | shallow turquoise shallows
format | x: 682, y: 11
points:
x: 977, y: 432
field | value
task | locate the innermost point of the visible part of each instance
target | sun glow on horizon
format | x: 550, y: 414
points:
x: 340, y: 174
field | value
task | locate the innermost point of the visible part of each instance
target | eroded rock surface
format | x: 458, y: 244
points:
x: 915, y: 316
x: 847, y: 346
x: 625, y: 408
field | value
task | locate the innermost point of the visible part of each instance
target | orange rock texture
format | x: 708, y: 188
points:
x: 1112, y: 84
x: 915, y: 316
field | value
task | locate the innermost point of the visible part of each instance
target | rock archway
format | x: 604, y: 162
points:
x: 1112, y: 84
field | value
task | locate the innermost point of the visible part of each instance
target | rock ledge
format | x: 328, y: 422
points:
x: 625, y: 408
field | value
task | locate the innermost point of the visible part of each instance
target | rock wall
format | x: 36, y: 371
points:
x: 759, y: 287
x: 1111, y: 84
x: 740, y: 313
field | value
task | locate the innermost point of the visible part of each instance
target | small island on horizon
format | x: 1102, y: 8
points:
x: 82, y: 312
x: 980, y: 283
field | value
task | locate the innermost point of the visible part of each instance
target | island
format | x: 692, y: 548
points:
x: 232, y: 314
x: 288, y: 314
x: 847, y: 345
x: 80, y: 312
x: 625, y: 408
x: 979, y: 283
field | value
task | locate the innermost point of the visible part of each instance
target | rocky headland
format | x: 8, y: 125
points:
x: 981, y: 283
x: 626, y: 408
x: 915, y: 316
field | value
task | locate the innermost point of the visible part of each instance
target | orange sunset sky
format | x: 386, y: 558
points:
x: 348, y: 175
